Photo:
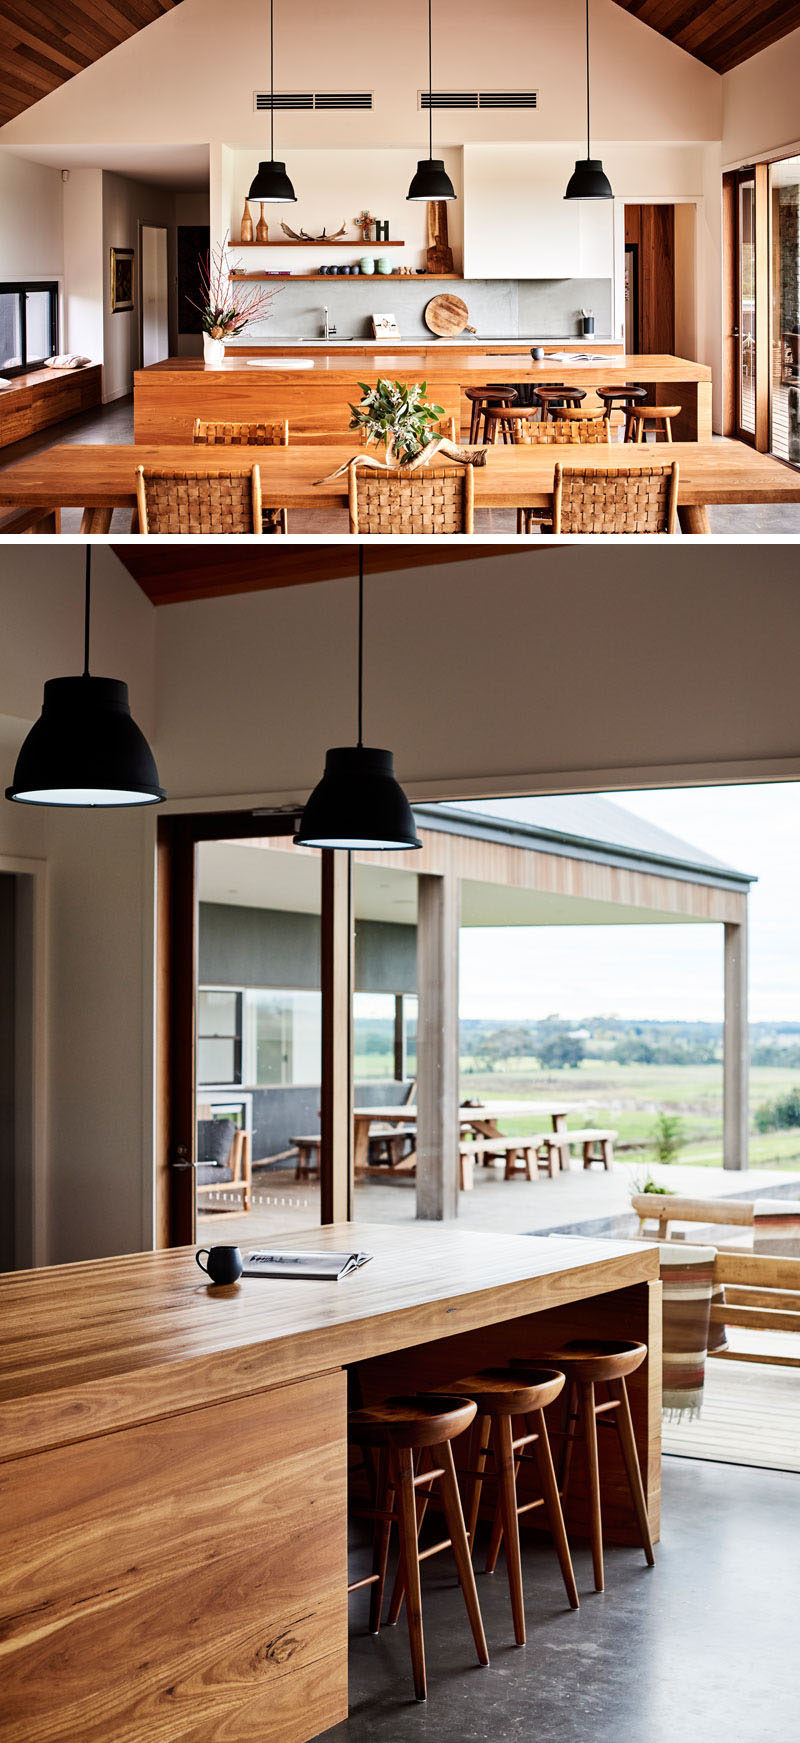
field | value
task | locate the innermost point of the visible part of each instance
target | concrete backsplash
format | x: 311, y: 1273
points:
x: 498, y: 308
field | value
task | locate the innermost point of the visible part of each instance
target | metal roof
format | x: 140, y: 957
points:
x: 582, y: 826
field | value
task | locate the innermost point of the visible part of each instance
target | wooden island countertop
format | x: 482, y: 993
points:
x: 173, y: 1463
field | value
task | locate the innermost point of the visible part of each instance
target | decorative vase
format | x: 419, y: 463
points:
x: 213, y: 351
x: 384, y: 267
x: 246, y: 226
x: 367, y: 265
x: 262, y: 227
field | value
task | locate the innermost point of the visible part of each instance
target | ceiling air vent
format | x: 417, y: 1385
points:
x: 313, y: 100
x: 478, y: 100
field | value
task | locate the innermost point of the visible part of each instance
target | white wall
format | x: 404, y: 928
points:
x: 31, y: 230
x: 761, y: 107
x: 83, y: 263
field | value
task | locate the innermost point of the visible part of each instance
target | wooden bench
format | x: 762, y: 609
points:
x: 522, y: 1155
x: 307, y: 1156
x: 597, y: 1145
x: 41, y: 397
x: 761, y: 1294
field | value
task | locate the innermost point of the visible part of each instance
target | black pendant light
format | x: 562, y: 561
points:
x: 358, y: 803
x: 85, y: 749
x: 272, y: 183
x: 588, y: 180
x: 431, y: 181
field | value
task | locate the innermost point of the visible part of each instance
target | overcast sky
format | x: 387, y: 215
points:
x: 660, y: 971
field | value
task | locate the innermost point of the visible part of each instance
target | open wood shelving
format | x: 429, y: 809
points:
x: 344, y: 277
x: 317, y: 242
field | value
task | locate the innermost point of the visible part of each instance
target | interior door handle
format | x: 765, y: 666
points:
x: 181, y: 1158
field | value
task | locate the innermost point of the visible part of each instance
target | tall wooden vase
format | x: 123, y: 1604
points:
x: 262, y: 227
x: 246, y: 227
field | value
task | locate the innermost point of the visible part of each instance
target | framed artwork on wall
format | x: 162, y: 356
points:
x: 122, y: 279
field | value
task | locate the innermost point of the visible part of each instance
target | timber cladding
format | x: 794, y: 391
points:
x: 46, y: 42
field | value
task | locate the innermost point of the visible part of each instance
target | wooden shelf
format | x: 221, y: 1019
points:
x: 343, y: 277
x: 318, y: 242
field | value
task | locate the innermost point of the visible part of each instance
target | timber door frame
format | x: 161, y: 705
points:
x: 176, y: 1003
x: 758, y: 174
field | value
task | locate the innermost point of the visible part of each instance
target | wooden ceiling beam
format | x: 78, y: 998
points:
x: 721, y: 33
x: 173, y: 575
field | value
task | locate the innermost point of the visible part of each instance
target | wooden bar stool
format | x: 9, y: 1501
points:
x: 501, y: 1394
x: 624, y: 398
x: 587, y: 1365
x: 396, y: 1430
x: 657, y: 418
x: 553, y: 396
x: 482, y: 399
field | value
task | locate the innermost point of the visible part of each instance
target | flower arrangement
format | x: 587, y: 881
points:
x: 228, y: 304
x: 397, y: 415
x: 365, y: 221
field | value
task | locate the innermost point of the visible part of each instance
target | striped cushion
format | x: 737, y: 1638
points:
x: 776, y: 1227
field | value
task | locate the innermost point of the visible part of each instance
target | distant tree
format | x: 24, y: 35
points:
x: 780, y: 1114
x: 559, y: 1050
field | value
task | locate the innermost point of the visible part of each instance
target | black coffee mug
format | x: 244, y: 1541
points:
x: 537, y: 353
x: 224, y: 1263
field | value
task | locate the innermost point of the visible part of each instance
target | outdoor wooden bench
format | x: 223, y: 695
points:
x: 522, y: 1155
x: 387, y: 1144
x: 775, y: 1221
x: 761, y: 1294
x: 470, y: 1151
x: 597, y: 1145
x: 307, y: 1156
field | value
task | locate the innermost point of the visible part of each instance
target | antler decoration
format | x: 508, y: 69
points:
x: 303, y: 235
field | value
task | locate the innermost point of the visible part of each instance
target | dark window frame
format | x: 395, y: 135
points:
x: 22, y: 289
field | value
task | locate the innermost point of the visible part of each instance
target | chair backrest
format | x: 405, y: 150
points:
x: 216, y: 434
x: 761, y: 1293
x: 669, y: 1207
x: 530, y: 431
x: 199, y: 502
x: 619, y: 500
x: 434, y: 499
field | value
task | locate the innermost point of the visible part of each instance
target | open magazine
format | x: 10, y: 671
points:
x: 331, y: 1267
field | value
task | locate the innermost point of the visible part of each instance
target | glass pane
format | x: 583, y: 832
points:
x: 37, y: 323
x: 283, y: 1037
x: 747, y: 307
x: 217, y: 1013
x: 411, y: 1010
x: 10, y: 331
x: 216, y: 1061
x: 785, y: 406
x: 373, y: 1035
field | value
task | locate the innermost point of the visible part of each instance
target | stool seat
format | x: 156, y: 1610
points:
x: 596, y: 1360
x: 493, y: 393
x: 504, y: 1391
x: 657, y: 418
x: 421, y: 1419
x: 632, y: 394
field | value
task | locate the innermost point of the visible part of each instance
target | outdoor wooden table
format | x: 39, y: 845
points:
x: 101, y: 478
x: 173, y: 1461
x: 480, y: 1117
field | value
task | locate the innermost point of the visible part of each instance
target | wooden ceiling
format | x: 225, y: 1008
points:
x: 45, y: 42
x: 173, y: 575
x: 722, y: 33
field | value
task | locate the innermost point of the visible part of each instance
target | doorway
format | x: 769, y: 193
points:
x: 21, y: 1239
x: 154, y: 305
x: 650, y: 279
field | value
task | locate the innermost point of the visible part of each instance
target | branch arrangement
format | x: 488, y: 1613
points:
x: 229, y: 304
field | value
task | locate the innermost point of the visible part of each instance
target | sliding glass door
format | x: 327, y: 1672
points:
x: 785, y: 309
x: 745, y: 328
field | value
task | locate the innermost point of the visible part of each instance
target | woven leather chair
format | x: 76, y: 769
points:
x: 624, y: 500
x: 215, y: 434
x: 199, y: 502
x: 529, y: 431
x: 434, y: 499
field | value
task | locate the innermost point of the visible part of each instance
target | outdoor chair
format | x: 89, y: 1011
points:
x: 223, y: 1163
x: 215, y: 434
x: 199, y: 502
x: 618, y: 500
x: 434, y: 499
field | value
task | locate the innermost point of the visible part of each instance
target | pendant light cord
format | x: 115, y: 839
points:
x: 430, y: 82
x: 360, y: 646
x: 87, y: 608
x: 588, y: 129
x: 272, y: 80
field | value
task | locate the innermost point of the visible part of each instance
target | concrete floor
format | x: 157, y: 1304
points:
x: 701, y: 1648
x: 114, y: 423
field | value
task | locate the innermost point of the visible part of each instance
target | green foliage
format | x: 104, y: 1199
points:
x: 397, y: 415
x: 780, y: 1114
x: 648, y: 1184
x: 668, y: 1137
x: 560, y: 1049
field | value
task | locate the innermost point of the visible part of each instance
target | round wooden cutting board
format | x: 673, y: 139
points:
x: 447, y: 316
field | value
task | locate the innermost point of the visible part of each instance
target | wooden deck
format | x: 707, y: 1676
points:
x: 750, y: 1414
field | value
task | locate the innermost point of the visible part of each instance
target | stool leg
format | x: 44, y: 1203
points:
x: 508, y: 1514
x: 547, y: 1478
x: 481, y: 1441
x: 497, y: 1527
x: 402, y: 1474
x: 622, y: 1417
x: 569, y: 1439
x: 667, y: 429
x: 473, y: 422
x: 380, y: 1541
x: 451, y: 1501
x: 422, y: 1497
x: 595, y: 1516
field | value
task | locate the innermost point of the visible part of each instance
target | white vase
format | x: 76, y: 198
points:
x: 213, y: 351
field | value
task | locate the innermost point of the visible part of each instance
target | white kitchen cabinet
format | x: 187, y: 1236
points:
x: 517, y: 223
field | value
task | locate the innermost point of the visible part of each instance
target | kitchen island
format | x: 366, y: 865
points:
x: 173, y: 1463
x: 314, y: 385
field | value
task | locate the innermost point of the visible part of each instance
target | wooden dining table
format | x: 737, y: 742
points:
x: 100, y: 478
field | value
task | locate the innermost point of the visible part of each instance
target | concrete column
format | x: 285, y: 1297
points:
x: 336, y: 1103
x: 437, y: 1048
x: 736, y: 1052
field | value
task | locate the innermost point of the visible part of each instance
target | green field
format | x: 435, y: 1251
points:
x: 628, y: 1097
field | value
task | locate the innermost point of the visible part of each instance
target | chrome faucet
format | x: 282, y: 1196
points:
x: 330, y: 331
